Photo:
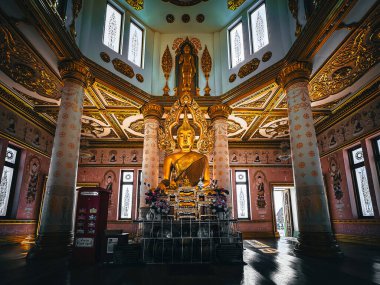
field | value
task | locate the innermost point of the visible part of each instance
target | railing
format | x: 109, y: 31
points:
x: 187, y: 241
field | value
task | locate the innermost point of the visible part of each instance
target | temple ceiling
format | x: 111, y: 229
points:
x: 113, y: 115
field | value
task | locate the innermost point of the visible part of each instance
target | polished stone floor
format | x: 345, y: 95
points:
x: 266, y: 262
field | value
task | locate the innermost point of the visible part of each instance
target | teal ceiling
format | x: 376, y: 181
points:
x: 217, y: 16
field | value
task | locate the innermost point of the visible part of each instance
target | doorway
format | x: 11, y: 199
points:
x: 285, y: 211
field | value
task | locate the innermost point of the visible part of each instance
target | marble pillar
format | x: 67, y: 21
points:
x: 221, y: 170
x: 55, y: 234
x: 316, y: 237
x: 150, y: 165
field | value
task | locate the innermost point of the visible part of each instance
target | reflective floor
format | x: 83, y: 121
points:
x: 266, y: 262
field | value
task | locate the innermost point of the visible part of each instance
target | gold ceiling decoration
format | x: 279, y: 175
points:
x: 275, y: 128
x: 233, y: 127
x: 136, y: 4
x: 350, y: 62
x: 113, y: 101
x: 138, y: 126
x: 234, y: 4
x: 19, y: 62
x: 206, y: 63
x: 139, y: 77
x: 205, y: 143
x: 123, y: 68
x: 249, y: 67
x: 166, y: 64
x: 293, y: 7
x: 36, y: 101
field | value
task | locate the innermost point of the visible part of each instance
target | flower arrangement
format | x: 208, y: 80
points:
x: 160, y: 207
x: 153, y: 194
x: 219, y: 200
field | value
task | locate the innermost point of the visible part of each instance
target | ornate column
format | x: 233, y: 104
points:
x: 55, y: 235
x: 219, y: 115
x: 150, y: 165
x: 316, y: 237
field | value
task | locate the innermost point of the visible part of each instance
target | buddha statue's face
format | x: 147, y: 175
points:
x: 185, y: 139
x: 186, y: 49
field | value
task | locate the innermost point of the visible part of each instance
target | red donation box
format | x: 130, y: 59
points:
x: 90, y: 224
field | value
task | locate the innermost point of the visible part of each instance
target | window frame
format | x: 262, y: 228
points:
x: 12, y: 190
x: 255, y: 7
x: 121, y: 192
x: 122, y: 12
x: 376, y: 154
x: 239, y: 21
x: 353, y: 167
x: 142, y: 28
x: 248, y: 194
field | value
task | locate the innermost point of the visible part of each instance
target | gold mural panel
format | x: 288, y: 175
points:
x: 21, y: 64
x: 350, y: 62
x: 123, y: 68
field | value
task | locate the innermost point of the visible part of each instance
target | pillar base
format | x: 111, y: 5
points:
x: 51, y: 245
x: 317, y: 244
x: 142, y: 212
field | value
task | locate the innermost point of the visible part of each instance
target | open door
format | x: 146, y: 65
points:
x: 285, y: 211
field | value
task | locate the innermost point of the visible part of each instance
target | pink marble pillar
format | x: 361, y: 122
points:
x: 56, y: 230
x: 150, y: 164
x: 219, y: 115
x: 315, y: 236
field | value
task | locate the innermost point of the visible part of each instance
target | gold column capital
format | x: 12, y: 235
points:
x: 294, y: 72
x: 219, y: 111
x: 152, y: 110
x: 77, y: 71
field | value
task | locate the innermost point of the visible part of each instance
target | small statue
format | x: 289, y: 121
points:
x: 188, y: 69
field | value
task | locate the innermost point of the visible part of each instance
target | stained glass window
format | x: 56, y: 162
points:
x: 236, y: 44
x: 359, y: 175
x: 112, y: 28
x: 259, y: 28
x: 8, y: 179
x: 241, y: 182
x: 126, y: 193
x: 135, y: 49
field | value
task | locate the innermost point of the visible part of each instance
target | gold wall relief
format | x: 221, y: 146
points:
x: 76, y: 7
x: 266, y: 56
x: 234, y: 4
x: 166, y: 64
x: 123, y: 67
x: 136, y: 4
x: 293, y: 7
x: 105, y: 57
x: 139, y: 77
x: 350, y: 61
x: 232, y: 77
x: 206, y: 64
x: 21, y: 64
x: 249, y: 67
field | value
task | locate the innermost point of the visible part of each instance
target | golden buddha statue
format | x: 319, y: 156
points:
x: 186, y: 164
x: 188, y: 69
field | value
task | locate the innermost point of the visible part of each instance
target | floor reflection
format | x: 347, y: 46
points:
x: 267, y: 261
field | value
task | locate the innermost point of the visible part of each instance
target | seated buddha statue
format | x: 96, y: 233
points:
x: 186, y: 164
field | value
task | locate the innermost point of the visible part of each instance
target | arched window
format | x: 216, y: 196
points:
x: 112, y: 28
x: 136, y: 40
x: 259, y: 28
x: 236, y: 44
